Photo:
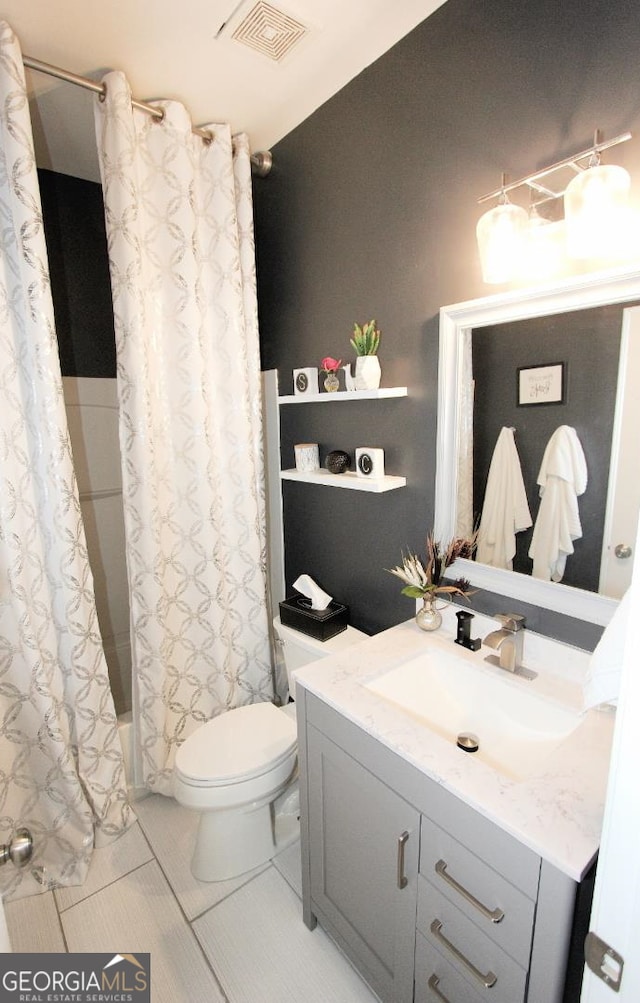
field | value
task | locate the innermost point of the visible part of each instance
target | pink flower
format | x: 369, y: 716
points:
x: 330, y: 365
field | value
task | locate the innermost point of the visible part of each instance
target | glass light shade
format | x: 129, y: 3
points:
x: 596, y: 212
x: 544, y: 250
x: 500, y: 234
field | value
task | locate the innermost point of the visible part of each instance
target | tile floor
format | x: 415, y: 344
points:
x: 240, y: 941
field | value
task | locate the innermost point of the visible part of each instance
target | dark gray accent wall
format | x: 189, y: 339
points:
x: 371, y: 210
x: 73, y: 214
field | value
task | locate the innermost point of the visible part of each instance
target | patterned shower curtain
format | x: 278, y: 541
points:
x: 180, y: 233
x: 61, y: 767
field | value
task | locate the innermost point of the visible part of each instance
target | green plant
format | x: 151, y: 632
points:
x: 366, y: 338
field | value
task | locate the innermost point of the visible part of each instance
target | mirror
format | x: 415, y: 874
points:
x: 456, y: 324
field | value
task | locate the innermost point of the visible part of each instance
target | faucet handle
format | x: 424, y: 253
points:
x: 511, y: 621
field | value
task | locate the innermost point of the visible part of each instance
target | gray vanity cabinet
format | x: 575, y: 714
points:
x: 363, y: 847
x: 430, y: 900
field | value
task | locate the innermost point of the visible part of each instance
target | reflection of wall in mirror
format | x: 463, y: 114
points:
x: 588, y: 342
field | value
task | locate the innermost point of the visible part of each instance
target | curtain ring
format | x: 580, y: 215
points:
x: 102, y: 96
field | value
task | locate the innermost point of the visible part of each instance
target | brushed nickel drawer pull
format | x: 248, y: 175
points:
x: 402, y: 878
x: 433, y: 984
x: 487, y: 980
x: 495, y: 915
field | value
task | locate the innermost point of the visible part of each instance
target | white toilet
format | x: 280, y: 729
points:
x: 235, y: 766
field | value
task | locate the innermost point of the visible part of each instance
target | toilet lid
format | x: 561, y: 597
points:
x: 242, y: 743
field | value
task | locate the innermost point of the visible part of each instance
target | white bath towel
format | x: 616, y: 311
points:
x: 602, y: 684
x: 505, y: 511
x: 562, y: 479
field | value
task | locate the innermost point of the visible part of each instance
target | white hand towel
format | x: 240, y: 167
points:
x: 562, y: 478
x: 505, y: 511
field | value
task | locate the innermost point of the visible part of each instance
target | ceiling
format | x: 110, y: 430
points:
x: 299, y: 54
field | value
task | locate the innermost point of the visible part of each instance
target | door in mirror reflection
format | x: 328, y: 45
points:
x: 624, y: 482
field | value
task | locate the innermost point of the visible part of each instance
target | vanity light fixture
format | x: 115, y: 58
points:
x: 544, y: 247
x: 596, y: 223
x: 596, y: 209
x: 500, y: 233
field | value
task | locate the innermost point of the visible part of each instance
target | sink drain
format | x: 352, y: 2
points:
x: 467, y: 742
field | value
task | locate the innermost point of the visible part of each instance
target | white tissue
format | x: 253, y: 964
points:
x: 602, y: 684
x: 306, y: 585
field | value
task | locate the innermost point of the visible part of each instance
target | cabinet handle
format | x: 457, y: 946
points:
x: 487, y: 980
x: 402, y: 878
x: 433, y: 984
x: 495, y: 915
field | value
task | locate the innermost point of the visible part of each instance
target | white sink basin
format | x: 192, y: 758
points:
x: 517, y: 729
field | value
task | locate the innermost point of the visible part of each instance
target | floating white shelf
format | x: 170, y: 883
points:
x: 348, y: 480
x: 344, y: 395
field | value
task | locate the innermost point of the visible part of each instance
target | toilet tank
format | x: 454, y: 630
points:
x: 299, y: 649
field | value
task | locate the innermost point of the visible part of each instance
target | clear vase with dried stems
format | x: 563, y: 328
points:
x: 424, y: 579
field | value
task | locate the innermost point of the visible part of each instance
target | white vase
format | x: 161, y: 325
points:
x: 367, y: 372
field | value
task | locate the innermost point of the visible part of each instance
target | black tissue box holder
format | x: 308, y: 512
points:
x: 322, y: 624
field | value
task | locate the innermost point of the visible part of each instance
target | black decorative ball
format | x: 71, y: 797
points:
x: 337, y: 461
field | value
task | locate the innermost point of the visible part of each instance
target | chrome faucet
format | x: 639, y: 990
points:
x: 508, y: 642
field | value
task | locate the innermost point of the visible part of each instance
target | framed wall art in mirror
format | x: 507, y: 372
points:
x: 455, y: 507
x: 541, y: 384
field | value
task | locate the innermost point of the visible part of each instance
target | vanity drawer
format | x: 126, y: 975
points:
x: 437, y: 981
x: 477, y: 958
x: 502, y: 912
x: 517, y: 864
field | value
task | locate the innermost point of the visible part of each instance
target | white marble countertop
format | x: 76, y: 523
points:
x: 557, y: 810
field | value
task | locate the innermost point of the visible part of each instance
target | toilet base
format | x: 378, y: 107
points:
x: 228, y: 843
x: 287, y: 831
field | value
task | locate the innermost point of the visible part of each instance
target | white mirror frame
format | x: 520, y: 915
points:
x: 576, y: 293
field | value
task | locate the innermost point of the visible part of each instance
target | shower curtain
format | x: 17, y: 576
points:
x: 61, y: 767
x: 181, y: 252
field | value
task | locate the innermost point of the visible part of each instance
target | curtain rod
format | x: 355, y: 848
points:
x: 260, y: 162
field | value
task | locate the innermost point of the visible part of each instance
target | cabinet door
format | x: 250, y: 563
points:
x: 363, y: 842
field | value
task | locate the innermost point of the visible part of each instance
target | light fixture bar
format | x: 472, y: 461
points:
x: 573, y: 162
x: 543, y: 190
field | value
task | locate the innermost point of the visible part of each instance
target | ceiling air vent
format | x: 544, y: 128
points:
x: 269, y: 31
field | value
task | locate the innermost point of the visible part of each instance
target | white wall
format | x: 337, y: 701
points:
x: 92, y: 413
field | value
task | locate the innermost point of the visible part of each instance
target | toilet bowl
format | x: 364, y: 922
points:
x: 234, y: 767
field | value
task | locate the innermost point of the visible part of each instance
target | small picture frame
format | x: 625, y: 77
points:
x: 542, y: 384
